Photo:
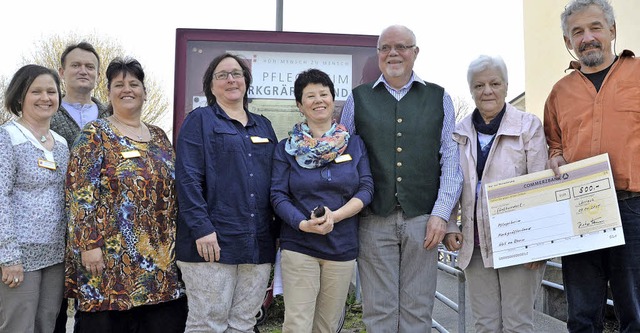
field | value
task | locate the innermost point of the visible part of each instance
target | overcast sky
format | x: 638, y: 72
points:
x: 449, y: 33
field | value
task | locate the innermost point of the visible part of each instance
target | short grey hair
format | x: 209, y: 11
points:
x: 576, y: 6
x: 398, y: 27
x: 484, y: 62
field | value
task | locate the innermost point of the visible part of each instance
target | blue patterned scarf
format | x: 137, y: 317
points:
x: 313, y: 153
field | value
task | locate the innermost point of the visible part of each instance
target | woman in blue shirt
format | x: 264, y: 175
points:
x: 225, y: 242
x: 319, y: 165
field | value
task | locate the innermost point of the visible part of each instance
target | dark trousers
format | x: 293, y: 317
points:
x: 167, y: 317
x: 587, y: 275
x: 61, y: 321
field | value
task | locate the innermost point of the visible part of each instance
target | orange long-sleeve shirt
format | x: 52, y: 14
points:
x: 580, y: 122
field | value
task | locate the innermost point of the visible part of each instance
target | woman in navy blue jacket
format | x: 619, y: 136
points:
x: 319, y: 165
x: 225, y: 238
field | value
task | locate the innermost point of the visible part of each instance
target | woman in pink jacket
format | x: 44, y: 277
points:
x: 497, y: 141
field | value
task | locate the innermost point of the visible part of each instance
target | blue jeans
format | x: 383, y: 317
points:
x: 586, y: 276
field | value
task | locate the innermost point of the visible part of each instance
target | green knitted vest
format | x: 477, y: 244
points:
x: 403, y: 142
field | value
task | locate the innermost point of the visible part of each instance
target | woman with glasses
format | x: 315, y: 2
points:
x: 121, y: 264
x: 320, y: 181
x: 226, y: 228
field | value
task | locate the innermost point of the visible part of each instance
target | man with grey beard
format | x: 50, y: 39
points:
x: 595, y: 109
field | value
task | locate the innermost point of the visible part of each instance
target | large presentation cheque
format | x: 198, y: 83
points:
x: 538, y: 216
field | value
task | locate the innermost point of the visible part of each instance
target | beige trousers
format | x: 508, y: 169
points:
x: 315, y: 292
x: 502, y: 299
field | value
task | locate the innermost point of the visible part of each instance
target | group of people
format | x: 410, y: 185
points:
x: 592, y: 110
x: 89, y: 195
x: 88, y: 203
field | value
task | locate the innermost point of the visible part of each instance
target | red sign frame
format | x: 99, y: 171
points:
x: 195, y: 48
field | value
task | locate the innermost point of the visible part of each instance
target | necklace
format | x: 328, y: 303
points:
x: 128, y: 128
x: 43, y: 138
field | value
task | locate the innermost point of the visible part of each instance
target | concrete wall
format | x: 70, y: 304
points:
x: 545, y: 55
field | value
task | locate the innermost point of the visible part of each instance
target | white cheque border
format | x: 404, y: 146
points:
x: 539, y: 216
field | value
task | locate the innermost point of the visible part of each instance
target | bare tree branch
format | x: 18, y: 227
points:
x: 47, y: 53
x: 5, y: 115
x: 462, y: 107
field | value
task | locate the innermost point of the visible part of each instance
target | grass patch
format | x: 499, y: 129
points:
x: 352, y: 324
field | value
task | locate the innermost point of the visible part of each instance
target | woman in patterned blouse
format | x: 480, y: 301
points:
x: 121, y: 197
x: 33, y: 162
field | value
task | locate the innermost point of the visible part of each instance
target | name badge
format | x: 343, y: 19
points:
x: 343, y: 158
x: 257, y: 139
x: 47, y: 164
x: 130, y: 154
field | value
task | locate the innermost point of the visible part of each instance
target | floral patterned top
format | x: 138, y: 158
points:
x: 32, y: 218
x: 121, y: 198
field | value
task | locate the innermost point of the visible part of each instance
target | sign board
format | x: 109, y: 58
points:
x: 275, y: 58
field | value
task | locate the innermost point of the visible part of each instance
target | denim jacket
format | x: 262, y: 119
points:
x: 223, y: 176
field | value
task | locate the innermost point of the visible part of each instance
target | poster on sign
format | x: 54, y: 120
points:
x: 275, y: 59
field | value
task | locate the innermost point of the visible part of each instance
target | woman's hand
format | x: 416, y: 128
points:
x: 12, y: 275
x: 92, y: 261
x: 453, y: 241
x: 208, y: 247
x: 318, y: 225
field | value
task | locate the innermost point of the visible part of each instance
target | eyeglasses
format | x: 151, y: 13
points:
x: 398, y: 47
x: 325, y: 173
x: 224, y: 75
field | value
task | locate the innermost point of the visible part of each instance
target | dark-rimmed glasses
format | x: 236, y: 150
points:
x: 223, y: 75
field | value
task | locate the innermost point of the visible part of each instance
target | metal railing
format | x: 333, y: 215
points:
x: 447, y: 263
